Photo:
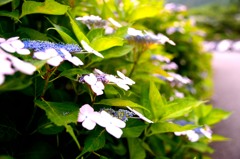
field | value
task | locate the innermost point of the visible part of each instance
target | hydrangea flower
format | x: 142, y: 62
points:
x: 96, y: 85
x: 12, y: 45
x: 195, y: 134
x: 140, y: 115
x: 112, y: 124
x: 54, y: 53
x: 88, y: 116
x: 92, y: 21
x: 97, y: 80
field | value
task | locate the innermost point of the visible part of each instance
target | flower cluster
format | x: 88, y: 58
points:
x: 137, y: 36
x: 91, y: 118
x: 54, y: 53
x: 92, y: 21
x: 112, y: 120
x: 97, y: 79
x: 195, y: 134
x: 9, y: 64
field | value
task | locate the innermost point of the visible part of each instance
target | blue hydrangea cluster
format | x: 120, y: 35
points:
x: 38, y: 45
x: 121, y: 114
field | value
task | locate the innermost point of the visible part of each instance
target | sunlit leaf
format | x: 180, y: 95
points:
x: 104, y: 43
x: 47, y: 7
x: 119, y: 103
x: 163, y: 127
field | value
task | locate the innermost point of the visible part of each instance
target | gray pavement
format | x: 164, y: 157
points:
x: 226, y: 67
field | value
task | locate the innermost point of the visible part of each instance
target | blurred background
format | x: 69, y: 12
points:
x: 221, y: 21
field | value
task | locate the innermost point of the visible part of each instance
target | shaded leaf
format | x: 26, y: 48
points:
x: 135, y: 149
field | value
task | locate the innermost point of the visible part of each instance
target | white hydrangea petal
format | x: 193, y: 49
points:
x: 7, y: 47
x: 90, y: 79
x: 51, y: 52
x: 76, y: 61
x: 90, y: 49
x: 140, y: 115
x: 119, y: 123
x: 12, y: 39
x: 2, y: 40
x: 88, y: 124
x: 122, y: 85
x: 23, y: 67
x: 126, y: 79
x: 41, y: 55
x: 55, y: 61
x: 96, y: 90
x: 192, y: 136
x: 114, y: 131
x: 17, y: 44
x: 23, y: 51
x: 86, y: 108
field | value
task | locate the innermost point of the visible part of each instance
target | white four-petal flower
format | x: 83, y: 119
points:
x: 96, y: 86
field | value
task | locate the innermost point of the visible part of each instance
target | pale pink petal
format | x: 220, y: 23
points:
x: 7, y: 47
x: 90, y: 79
x: 96, y: 90
x: 76, y: 61
x: 140, y: 115
x: 23, y: 67
x: 86, y: 108
x: 88, y: 124
x: 117, y: 122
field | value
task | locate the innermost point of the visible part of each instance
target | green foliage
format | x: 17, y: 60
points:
x: 40, y: 113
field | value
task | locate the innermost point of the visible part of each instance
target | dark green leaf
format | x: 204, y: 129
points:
x: 135, y: 149
x: 2, y: 2
x: 13, y: 14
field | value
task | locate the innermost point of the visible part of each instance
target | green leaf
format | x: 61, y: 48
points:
x: 156, y: 101
x: 47, y: 7
x: 179, y: 107
x: 104, y: 43
x: 135, y: 149
x: 93, y: 142
x: 73, y: 73
x: 218, y: 138
x: 77, y: 30
x: 119, y: 103
x: 66, y: 34
x: 143, y: 12
x: 134, y: 128
x: 14, y: 83
x: 32, y: 34
x: 2, y: 2
x: 163, y: 127
x: 114, y: 52
x: 14, y: 14
x: 60, y: 114
x: 215, y: 116
x: 95, y: 33
x: 201, y: 147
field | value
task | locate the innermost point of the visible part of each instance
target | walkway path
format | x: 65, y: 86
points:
x: 226, y: 67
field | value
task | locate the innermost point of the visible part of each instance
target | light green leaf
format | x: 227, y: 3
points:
x: 179, y: 107
x: 135, y: 149
x: 163, y: 127
x: 119, y: 103
x: 47, y: 7
x: 215, y: 116
x: 156, y: 101
x: 143, y: 12
x: 104, y: 43
x: 114, y: 52
x: 95, y: 33
x: 201, y: 147
x: 77, y: 30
